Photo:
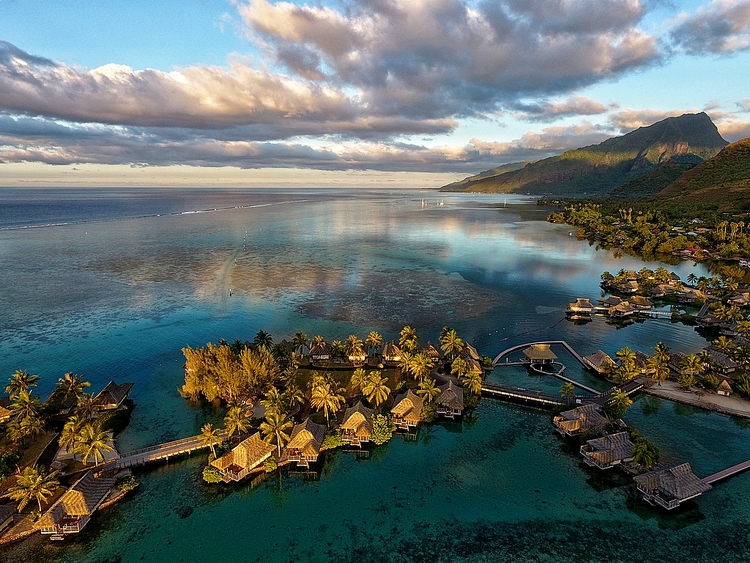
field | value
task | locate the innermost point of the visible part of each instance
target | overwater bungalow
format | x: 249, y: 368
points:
x: 630, y: 286
x: 432, y: 352
x: 391, y: 353
x: 73, y: 510
x: 356, y: 427
x: 305, y: 441
x: 671, y: 486
x: 622, y: 310
x: 722, y: 362
x: 608, y: 451
x: 243, y: 458
x: 579, y: 419
x: 611, y: 301
x: 539, y: 354
x: 705, y: 318
x: 320, y: 352
x: 641, y: 303
x: 740, y: 300
x: 582, y: 306
x: 450, y: 402
x: 724, y: 388
x: 357, y: 357
x: 599, y: 361
x: 407, y: 410
x: 675, y: 362
x: 661, y: 290
x: 691, y: 296
x: 113, y: 395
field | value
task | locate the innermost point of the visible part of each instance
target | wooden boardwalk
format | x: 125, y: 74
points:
x: 162, y: 451
x: 728, y: 472
x: 519, y: 394
x: 562, y: 343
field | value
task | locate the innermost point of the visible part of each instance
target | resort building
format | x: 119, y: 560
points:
x: 7, y: 511
x: 630, y: 286
x: 691, y: 296
x: 470, y: 353
x: 579, y: 419
x: 641, y: 303
x: 357, y: 425
x: 407, y: 410
x: 642, y: 362
x: 432, y: 352
x: 5, y: 414
x: 675, y: 362
x: 73, y: 510
x: 581, y: 306
x: 113, y: 395
x: 357, y: 357
x: 599, y: 361
x: 740, y: 300
x: 391, y: 353
x: 705, y: 318
x: 611, y: 301
x: 305, y: 441
x: 450, y: 402
x: 671, y: 486
x: 608, y: 451
x: 243, y: 458
x: 320, y: 352
x: 539, y: 354
x: 622, y: 310
x: 722, y: 362
x: 724, y: 388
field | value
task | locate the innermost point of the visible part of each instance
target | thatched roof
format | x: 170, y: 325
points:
x: 113, y: 395
x: 611, y: 301
x: 5, y: 414
x: 320, y: 349
x: 432, y: 352
x: 676, y: 482
x: 539, y: 352
x: 609, y: 449
x: 641, y: 302
x: 452, y: 396
x: 82, y: 499
x: 722, y: 359
x: 391, y: 351
x: 581, y: 419
x: 598, y: 360
x: 408, y: 406
x: 248, y: 454
x: 470, y: 352
x: 307, y: 437
x: 358, y: 419
x: 641, y: 360
x: 724, y: 387
x: 581, y: 304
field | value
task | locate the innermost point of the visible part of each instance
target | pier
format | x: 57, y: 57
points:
x: 519, y: 394
x: 728, y: 472
x: 162, y: 451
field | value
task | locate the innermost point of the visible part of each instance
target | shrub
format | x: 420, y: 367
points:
x: 332, y: 441
x: 126, y: 484
x: 382, y: 429
x: 211, y: 474
x: 271, y: 465
x: 429, y: 413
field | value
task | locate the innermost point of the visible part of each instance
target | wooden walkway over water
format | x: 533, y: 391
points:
x: 728, y: 472
x: 163, y: 451
x: 562, y: 343
x: 519, y: 394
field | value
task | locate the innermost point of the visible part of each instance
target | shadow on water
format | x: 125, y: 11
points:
x: 686, y: 515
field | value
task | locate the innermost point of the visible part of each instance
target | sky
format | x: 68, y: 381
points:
x: 398, y: 93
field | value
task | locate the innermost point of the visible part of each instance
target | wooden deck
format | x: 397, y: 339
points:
x: 562, y: 343
x: 162, y: 451
x: 728, y: 472
x: 519, y: 394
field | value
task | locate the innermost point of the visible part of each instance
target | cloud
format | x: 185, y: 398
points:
x: 721, y: 27
x: 627, y: 120
x: 551, y: 110
x: 734, y: 129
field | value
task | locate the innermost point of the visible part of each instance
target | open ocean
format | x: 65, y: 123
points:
x: 113, y: 283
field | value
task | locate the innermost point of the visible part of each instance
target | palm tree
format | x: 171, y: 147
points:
x: 70, y: 431
x: 33, y: 484
x: 376, y: 389
x: 274, y: 402
x: 692, y: 278
x: 459, y: 367
x: 451, y: 344
x: 473, y: 382
x: 686, y: 380
x: 337, y: 349
x: 358, y: 380
x: 662, y: 352
x: 373, y: 342
x: 657, y: 369
x: 707, y: 361
x: 408, y: 339
x: 353, y: 346
x: 405, y: 361
x: 325, y: 396
x: 210, y: 436
x: 567, y: 391
x: 92, y: 441
x: 300, y: 342
x: 20, y: 381
x: 86, y: 406
x: 645, y: 454
x: 318, y: 340
x: 263, y: 340
x: 691, y: 364
x: 292, y: 397
x: 618, y: 403
x: 428, y: 390
x: 420, y: 365
x: 70, y: 384
x: 276, y: 427
x: 25, y: 405
x: 237, y: 420
x: 723, y: 344
x: 743, y: 328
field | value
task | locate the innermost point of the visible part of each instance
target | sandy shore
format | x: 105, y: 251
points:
x: 732, y: 405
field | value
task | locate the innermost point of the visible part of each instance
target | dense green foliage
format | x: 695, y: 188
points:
x: 127, y: 484
x: 382, y: 429
x: 211, y: 474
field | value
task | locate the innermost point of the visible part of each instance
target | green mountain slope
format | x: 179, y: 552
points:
x: 598, y: 168
x: 656, y: 180
x: 723, y: 180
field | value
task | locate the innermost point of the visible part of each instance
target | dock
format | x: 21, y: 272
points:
x: 162, y: 451
x: 519, y: 394
x: 728, y: 472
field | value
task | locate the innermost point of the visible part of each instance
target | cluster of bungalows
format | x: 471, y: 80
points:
x: 612, y: 306
x: 73, y: 510
x: 671, y: 486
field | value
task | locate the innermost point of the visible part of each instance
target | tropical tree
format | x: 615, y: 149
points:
x: 723, y: 344
x: 662, y: 352
x: 70, y: 385
x: 405, y: 361
x: 706, y: 360
x: 33, y: 484
x: 459, y: 367
x: 20, y: 381
x: 353, y: 346
x: 25, y: 405
x: 657, y: 369
x: 237, y: 420
x: 691, y: 364
x: 645, y: 453
x: 210, y: 436
x: 300, y: 342
x: 627, y: 359
x: 70, y: 432
x: 358, y: 380
x: 293, y: 396
x: 428, y: 390
x: 276, y: 428
x: 376, y: 389
x: 472, y: 381
x: 408, y: 339
x: 692, y: 278
x: 618, y: 403
x: 92, y: 441
x: 373, y: 342
x: 451, y: 344
x: 567, y: 391
x: 318, y: 340
x: 274, y: 401
x: 263, y: 340
x: 686, y: 380
x: 743, y: 328
x: 420, y: 365
x: 86, y: 406
x: 327, y: 397
x: 337, y: 349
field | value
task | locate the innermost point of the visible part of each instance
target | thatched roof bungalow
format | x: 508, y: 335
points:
x: 305, y: 441
x: 607, y: 451
x: 357, y: 425
x: 73, y: 510
x: 319, y: 352
x: 622, y: 310
x: 450, y: 402
x: 724, y: 389
x: 671, y: 486
x: 611, y: 301
x: 391, y: 353
x: 641, y: 303
x: 581, y: 306
x: 5, y: 414
x: 113, y: 395
x: 469, y: 352
x: 407, y: 410
x: 432, y: 352
x: 722, y: 362
x: 243, y: 458
x: 740, y: 300
x: 599, y: 361
x: 579, y: 419
x: 539, y: 354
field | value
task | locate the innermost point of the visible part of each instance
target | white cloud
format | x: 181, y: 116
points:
x: 722, y: 26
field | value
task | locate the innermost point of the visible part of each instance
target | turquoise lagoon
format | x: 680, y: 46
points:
x: 114, y: 284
